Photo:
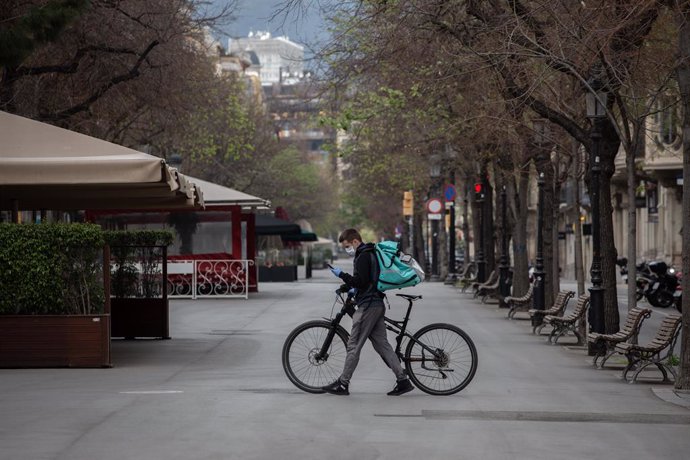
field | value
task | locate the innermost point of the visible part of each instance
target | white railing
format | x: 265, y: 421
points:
x: 209, y: 278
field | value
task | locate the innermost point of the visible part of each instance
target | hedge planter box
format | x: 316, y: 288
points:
x: 286, y: 273
x: 136, y: 317
x: 55, y: 341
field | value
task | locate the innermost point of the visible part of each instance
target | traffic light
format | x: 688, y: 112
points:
x: 407, y: 204
x: 478, y: 191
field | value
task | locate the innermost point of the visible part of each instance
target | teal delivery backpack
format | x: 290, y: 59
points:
x: 396, y: 269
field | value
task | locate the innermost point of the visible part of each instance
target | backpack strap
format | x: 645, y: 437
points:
x: 376, y: 273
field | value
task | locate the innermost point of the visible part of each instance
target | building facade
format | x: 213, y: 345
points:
x: 280, y: 60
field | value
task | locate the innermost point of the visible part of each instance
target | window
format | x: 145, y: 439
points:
x: 668, y: 121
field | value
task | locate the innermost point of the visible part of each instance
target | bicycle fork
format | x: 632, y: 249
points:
x: 322, y: 355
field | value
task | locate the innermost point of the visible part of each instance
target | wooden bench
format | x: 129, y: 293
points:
x: 487, y: 291
x: 656, y: 352
x: 606, y: 343
x: 521, y: 303
x: 557, y: 309
x: 493, y: 276
x: 568, y: 323
x: 465, y: 278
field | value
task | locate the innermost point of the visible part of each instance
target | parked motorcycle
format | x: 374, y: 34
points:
x: 660, y: 292
x: 678, y: 295
x: 643, y: 279
x: 654, y: 281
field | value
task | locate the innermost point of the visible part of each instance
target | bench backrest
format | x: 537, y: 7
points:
x: 466, y: 271
x: 580, y: 308
x: 562, y: 299
x: 634, y: 320
x: 530, y: 291
x: 667, y: 331
x: 493, y: 276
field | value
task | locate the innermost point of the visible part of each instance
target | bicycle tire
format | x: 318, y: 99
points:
x: 459, y: 353
x: 299, y: 348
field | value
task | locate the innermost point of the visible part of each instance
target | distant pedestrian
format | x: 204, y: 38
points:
x: 367, y: 322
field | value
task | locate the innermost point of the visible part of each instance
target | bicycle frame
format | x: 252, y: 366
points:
x: 397, y: 327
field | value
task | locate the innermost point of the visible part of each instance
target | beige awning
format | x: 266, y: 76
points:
x: 46, y: 167
x: 220, y: 195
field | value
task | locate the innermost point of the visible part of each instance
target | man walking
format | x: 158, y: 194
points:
x: 367, y: 322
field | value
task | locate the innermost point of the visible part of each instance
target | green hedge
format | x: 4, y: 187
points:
x: 51, y: 269
x: 139, y: 238
x: 136, y: 260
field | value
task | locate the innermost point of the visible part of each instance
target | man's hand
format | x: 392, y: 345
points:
x: 336, y: 271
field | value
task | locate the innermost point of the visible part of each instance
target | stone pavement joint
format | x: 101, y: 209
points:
x: 542, y: 416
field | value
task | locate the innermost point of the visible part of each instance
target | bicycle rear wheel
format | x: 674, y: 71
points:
x: 445, y: 364
x: 300, y: 356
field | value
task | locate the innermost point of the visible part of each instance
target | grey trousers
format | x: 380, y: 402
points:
x: 367, y: 323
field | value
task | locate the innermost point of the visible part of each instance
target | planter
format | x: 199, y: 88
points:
x: 282, y: 274
x: 137, y: 317
x: 55, y: 341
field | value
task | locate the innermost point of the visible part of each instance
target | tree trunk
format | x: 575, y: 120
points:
x: 489, y: 228
x: 417, y: 232
x: 609, y: 147
x: 466, y: 225
x: 579, y: 262
x: 7, y: 81
x: 632, y: 217
x: 520, y: 211
x: 556, y: 272
x: 442, y: 248
x: 683, y: 71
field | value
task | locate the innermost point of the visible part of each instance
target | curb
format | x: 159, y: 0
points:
x: 677, y: 397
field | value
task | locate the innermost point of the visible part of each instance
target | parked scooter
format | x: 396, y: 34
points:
x: 643, y: 279
x: 678, y: 295
x: 654, y: 281
x: 660, y: 292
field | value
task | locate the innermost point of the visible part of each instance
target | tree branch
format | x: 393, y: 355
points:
x: 133, y: 73
x: 72, y: 66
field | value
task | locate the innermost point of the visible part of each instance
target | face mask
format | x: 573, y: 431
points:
x: 350, y: 251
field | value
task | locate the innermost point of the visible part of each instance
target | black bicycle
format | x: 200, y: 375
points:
x: 440, y: 358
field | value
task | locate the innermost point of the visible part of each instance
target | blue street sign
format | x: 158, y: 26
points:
x: 449, y: 192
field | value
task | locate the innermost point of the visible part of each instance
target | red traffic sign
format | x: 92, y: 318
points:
x: 434, y: 206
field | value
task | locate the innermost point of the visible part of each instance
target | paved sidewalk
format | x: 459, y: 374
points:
x: 217, y: 391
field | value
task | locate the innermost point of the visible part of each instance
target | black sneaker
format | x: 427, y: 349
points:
x: 337, y: 388
x: 401, y: 387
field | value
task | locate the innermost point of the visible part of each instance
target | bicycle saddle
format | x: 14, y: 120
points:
x: 409, y: 297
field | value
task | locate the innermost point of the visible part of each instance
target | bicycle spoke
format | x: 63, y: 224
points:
x: 300, y: 356
x: 451, y: 365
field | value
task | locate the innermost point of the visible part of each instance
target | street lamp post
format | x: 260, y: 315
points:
x: 504, y: 264
x: 481, y: 263
x: 452, y: 277
x: 466, y: 226
x: 596, y: 112
x: 541, y: 134
x: 434, y: 173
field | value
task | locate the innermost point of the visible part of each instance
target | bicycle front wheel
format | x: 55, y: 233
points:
x: 441, y: 359
x: 301, y: 361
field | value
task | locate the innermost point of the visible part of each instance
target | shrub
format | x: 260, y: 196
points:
x: 51, y: 269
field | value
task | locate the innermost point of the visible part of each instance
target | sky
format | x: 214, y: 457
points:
x: 254, y: 15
